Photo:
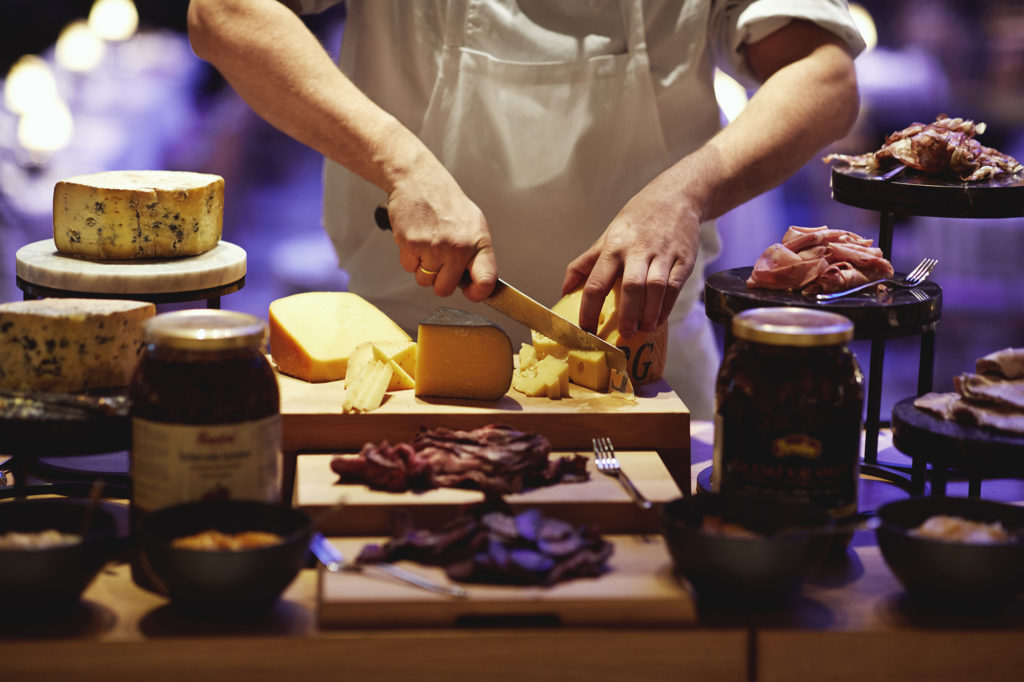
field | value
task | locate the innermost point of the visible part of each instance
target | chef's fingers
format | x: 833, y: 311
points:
x: 656, y: 287
x: 676, y: 279
x: 601, y: 280
x: 482, y: 274
x: 632, y: 295
x: 579, y: 268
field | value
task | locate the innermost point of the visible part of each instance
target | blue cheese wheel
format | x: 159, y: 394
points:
x: 123, y: 215
x: 70, y: 344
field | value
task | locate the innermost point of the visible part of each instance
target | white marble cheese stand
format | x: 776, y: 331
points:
x: 43, y: 271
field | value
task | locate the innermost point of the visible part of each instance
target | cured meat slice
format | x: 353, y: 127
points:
x: 836, y: 277
x: 987, y: 389
x: 1007, y: 363
x: 780, y: 268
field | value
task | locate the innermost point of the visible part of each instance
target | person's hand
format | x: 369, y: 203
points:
x: 441, y: 234
x: 652, y: 245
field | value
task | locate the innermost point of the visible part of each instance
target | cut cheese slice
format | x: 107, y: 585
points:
x: 462, y: 355
x: 645, y: 351
x: 138, y: 214
x: 70, y: 344
x: 548, y: 376
x: 313, y: 334
x: 589, y: 368
x: 369, y: 352
x: 366, y: 392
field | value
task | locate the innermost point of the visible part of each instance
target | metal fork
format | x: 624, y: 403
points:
x: 607, y: 463
x: 913, y: 278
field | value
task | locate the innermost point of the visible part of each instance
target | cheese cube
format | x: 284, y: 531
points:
x: 138, y: 214
x: 589, y: 368
x: 70, y: 344
x: 548, y: 376
x: 462, y: 355
x: 313, y: 334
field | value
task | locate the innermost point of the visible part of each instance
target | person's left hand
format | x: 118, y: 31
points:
x: 652, y: 245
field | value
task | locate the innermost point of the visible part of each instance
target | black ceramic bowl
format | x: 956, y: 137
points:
x: 53, y: 576
x: 952, y: 572
x: 763, y: 571
x: 223, y: 581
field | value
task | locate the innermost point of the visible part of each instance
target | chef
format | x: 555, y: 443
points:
x: 558, y: 144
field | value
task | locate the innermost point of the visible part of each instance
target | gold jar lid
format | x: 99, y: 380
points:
x: 791, y: 326
x: 205, y: 330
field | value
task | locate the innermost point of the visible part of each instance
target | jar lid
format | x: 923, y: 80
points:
x: 205, y: 329
x: 791, y: 326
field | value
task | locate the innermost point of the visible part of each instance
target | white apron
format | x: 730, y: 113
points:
x: 550, y: 151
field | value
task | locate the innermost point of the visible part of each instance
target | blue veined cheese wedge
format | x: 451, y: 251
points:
x: 462, y: 355
x: 123, y: 215
x: 70, y: 344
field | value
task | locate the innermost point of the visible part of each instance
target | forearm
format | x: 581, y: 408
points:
x: 801, y: 108
x: 279, y: 68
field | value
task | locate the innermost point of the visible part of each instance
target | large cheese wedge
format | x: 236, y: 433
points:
x: 645, y: 351
x: 370, y: 352
x: 313, y: 334
x: 70, y: 344
x: 138, y: 214
x: 462, y: 355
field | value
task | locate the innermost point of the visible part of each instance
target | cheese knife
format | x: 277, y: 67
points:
x: 512, y: 302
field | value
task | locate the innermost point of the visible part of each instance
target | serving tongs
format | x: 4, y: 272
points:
x: 334, y: 562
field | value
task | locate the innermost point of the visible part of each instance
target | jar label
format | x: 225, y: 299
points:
x: 174, y: 463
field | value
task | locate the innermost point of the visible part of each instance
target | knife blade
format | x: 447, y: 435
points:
x: 512, y: 302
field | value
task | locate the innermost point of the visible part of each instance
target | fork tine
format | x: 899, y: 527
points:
x: 929, y: 264
x: 916, y: 272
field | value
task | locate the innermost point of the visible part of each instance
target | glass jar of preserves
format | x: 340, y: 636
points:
x: 789, y: 400
x: 205, y: 412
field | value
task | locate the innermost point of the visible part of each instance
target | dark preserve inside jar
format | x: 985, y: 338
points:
x: 789, y: 402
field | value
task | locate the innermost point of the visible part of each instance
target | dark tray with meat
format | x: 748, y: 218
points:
x: 874, y: 313
x: 976, y: 451
x: 912, y: 192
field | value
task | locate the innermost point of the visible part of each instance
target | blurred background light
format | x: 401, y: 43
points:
x: 29, y: 85
x: 731, y: 96
x: 79, y: 48
x: 865, y: 24
x: 114, y: 20
x: 47, y: 129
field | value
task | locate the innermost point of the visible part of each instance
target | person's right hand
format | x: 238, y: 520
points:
x: 441, y: 234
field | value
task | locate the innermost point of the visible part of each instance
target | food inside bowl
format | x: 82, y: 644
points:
x: 37, y: 539
x: 215, y: 540
x: 716, y: 525
x: 959, y: 529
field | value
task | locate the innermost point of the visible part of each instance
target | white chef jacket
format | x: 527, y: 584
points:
x: 400, y: 53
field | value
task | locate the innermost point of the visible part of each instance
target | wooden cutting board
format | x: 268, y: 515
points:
x: 345, y: 510
x: 312, y: 420
x: 640, y: 589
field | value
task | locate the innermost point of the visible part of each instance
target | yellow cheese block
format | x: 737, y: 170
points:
x: 645, y: 351
x: 462, y: 355
x: 70, y: 344
x: 138, y: 214
x: 588, y: 368
x: 366, y: 392
x: 313, y: 334
x: 368, y: 352
x: 548, y: 376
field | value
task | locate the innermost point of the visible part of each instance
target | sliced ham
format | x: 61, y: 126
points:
x: 989, y: 389
x: 780, y: 268
x: 1007, y: 363
x: 836, y: 277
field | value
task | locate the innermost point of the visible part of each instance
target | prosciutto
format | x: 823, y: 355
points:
x: 818, y: 260
x: 992, y: 398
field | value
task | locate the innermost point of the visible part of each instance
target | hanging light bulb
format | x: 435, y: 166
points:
x: 46, y: 130
x: 30, y: 84
x: 79, y: 48
x: 114, y: 20
x: 731, y: 96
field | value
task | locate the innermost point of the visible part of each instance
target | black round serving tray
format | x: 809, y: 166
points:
x: 912, y: 192
x: 42, y: 433
x: 900, y: 312
x: 978, y: 451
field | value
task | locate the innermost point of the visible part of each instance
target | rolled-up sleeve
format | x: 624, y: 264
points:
x: 737, y: 22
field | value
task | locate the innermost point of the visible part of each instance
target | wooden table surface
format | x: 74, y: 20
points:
x: 851, y: 622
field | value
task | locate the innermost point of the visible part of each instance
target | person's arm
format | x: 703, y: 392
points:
x: 280, y: 69
x: 808, y: 99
